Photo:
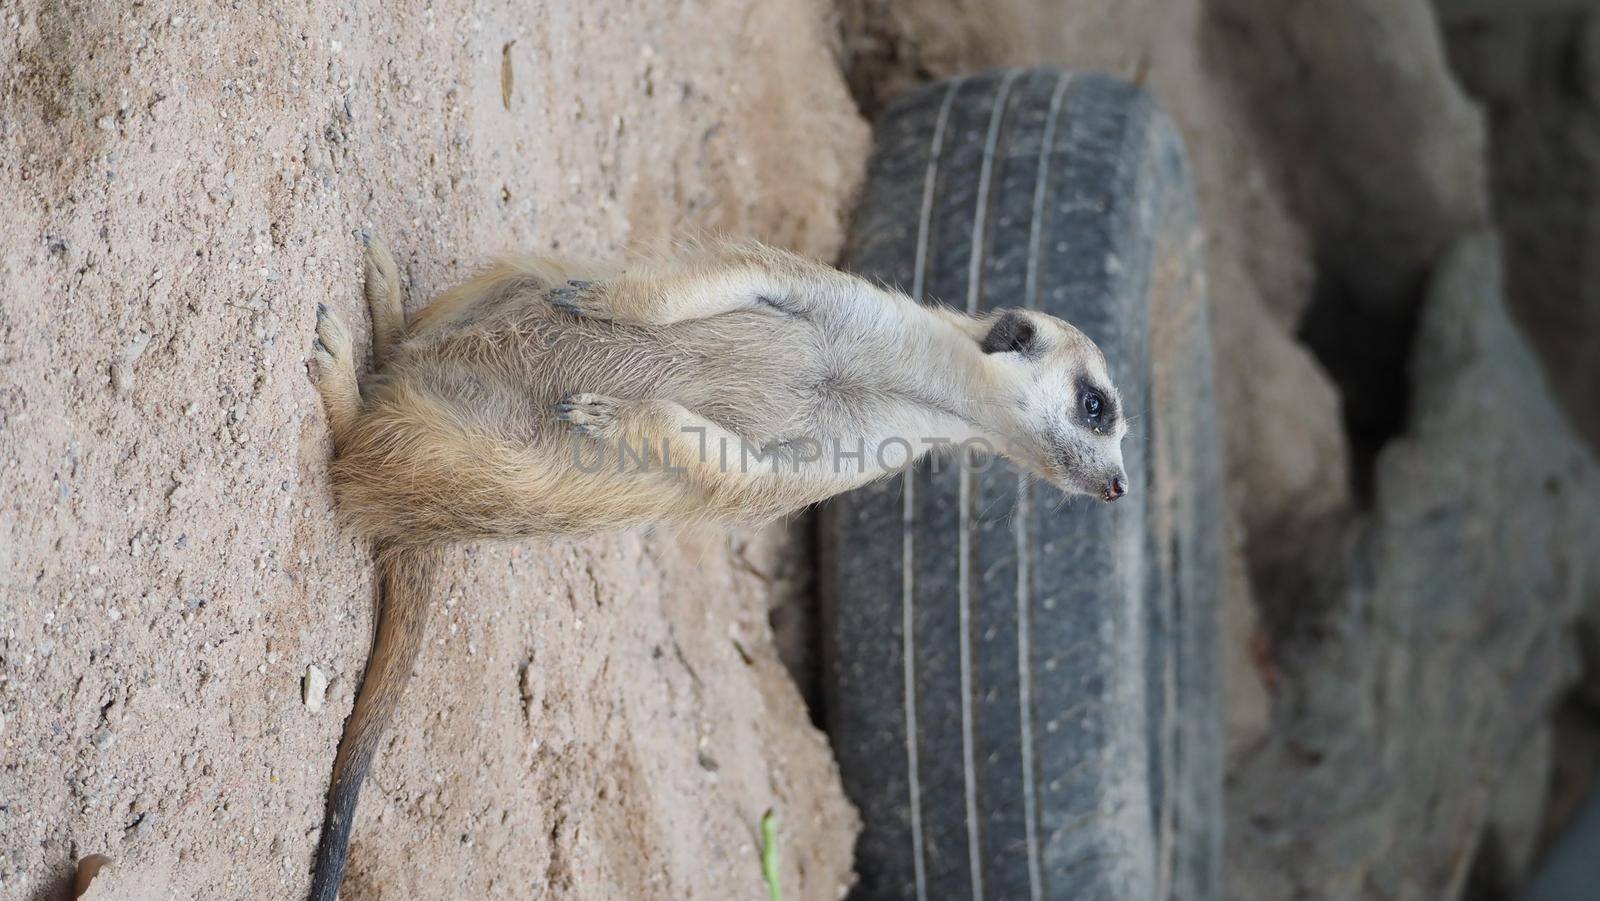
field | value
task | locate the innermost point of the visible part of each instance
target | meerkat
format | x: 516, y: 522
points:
x: 730, y: 382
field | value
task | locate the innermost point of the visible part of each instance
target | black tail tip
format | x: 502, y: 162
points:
x: 333, y: 846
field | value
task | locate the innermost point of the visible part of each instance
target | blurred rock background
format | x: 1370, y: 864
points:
x: 1401, y: 208
x: 1400, y: 201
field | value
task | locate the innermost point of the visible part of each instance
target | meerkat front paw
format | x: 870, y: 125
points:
x: 333, y: 371
x: 581, y: 298
x: 589, y: 414
x: 332, y: 352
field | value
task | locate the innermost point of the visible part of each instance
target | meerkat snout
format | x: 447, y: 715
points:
x: 1070, y: 424
x: 1116, y: 487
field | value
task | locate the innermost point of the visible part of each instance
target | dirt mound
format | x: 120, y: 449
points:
x: 179, y: 192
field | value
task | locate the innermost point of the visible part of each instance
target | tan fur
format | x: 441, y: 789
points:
x: 546, y: 399
x: 383, y: 300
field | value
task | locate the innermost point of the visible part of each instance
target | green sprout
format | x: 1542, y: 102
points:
x: 769, y: 853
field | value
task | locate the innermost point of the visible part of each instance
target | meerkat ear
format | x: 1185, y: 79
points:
x: 1011, y: 333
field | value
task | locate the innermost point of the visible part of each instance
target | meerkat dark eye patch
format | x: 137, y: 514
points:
x: 1096, y: 406
x: 1011, y: 333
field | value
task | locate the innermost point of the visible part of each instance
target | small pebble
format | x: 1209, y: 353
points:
x: 121, y: 377
x: 122, y: 367
x: 314, y: 688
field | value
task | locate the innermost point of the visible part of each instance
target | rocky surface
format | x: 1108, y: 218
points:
x: 1538, y: 78
x: 1381, y: 150
x: 179, y: 188
x: 1535, y: 68
x: 1412, y: 744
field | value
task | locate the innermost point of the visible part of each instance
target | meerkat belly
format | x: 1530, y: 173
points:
x: 460, y: 440
x: 754, y: 374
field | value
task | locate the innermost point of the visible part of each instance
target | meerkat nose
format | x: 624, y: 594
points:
x: 1116, y: 486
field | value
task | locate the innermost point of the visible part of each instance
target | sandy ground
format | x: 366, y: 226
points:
x: 178, y: 185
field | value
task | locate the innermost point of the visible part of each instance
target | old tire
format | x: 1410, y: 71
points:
x: 1024, y: 695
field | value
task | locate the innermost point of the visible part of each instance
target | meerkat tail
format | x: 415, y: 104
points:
x: 383, y: 299
x: 405, y: 578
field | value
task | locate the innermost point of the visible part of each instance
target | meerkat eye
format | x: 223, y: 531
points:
x: 1092, y: 405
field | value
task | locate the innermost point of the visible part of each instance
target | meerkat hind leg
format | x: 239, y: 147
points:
x: 383, y: 298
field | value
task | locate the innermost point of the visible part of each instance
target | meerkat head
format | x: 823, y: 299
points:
x: 1066, y: 419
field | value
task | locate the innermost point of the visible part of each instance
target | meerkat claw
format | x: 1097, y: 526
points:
x: 331, y: 342
x: 586, y: 414
x: 568, y: 299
